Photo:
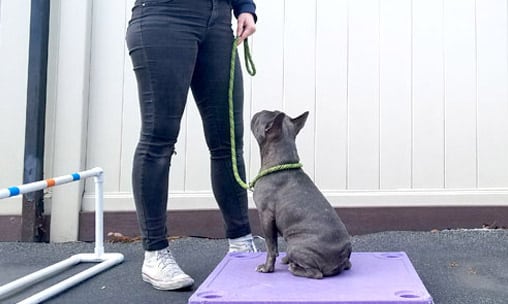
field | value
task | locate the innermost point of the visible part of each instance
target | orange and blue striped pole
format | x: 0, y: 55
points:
x: 48, y: 183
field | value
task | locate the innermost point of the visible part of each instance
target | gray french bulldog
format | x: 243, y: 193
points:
x: 289, y: 203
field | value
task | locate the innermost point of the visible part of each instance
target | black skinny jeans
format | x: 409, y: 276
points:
x: 175, y: 45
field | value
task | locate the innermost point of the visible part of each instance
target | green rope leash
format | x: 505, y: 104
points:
x: 251, y: 69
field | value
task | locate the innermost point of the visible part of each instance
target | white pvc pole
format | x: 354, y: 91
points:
x: 37, y: 276
x: 99, y: 225
x: 106, y: 260
x: 43, y: 184
x: 111, y: 260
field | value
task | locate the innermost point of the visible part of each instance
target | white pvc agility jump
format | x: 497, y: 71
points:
x: 105, y: 260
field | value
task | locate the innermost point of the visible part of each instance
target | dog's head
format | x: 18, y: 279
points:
x: 272, y: 126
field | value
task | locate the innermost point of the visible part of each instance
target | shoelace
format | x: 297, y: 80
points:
x: 167, y: 261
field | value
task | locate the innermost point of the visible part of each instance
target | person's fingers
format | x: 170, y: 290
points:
x: 245, y: 32
x: 245, y: 26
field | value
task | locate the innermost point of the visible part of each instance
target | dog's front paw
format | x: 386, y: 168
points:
x: 264, y: 268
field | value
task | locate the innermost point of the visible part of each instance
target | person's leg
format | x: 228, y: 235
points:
x: 210, y: 89
x: 163, y: 50
x: 163, y: 66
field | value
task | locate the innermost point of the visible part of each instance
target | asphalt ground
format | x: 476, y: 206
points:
x: 456, y: 267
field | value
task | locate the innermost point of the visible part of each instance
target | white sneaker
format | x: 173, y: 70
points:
x: 161, y: 270
x: 242, y: 244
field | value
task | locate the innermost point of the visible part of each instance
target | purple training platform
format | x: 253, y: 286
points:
x: 376, y: 277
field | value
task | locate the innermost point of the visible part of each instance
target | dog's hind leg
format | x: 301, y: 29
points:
x: 297, y: 270
x: 348, y: 265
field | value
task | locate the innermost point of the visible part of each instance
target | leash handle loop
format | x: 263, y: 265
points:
x: 249, y: 63
x: 232, y: 140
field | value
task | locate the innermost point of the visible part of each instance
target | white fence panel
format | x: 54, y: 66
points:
x: 363, y: 95
x: 268, y: 55
x: 428, y: 94
x: 196, y: 157
x: 460, y: 94
x: 395, y: 94
x: 492, y: 79
x: 300, y: 72
x: 14, y: 36
x: 107, y: 75
x: 391, y: 87
x: 331, y: 94
x: 130, y: 114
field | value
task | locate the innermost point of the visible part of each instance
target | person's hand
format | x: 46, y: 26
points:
x: 245, y: 26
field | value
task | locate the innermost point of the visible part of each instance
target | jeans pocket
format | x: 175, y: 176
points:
x: 154, y: 2
x: 137, y: 9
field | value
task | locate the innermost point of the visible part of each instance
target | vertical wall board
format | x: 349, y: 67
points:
x: 14, y: 41
x: 300, y: 73
x: 491, y: 22
x: 71, y: 117
x: 331, y: 94
x: 178, y: 169
x: 395, y: 94
x: 52, y: 85
x: 363, y: 86
x: 460, y: 93
x: 106, y: 91
x: 197, y: 157
x: 131, y: 123
x: 428, y: 94
x: 268, y: 52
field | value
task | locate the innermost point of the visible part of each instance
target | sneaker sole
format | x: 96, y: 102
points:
x: 168, y: 286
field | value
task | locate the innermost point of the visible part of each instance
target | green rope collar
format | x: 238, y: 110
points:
x: 272, y: 170
x: 251, y: 69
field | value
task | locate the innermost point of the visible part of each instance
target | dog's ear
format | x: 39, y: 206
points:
x: 299, y: 121
x: 275, y: 126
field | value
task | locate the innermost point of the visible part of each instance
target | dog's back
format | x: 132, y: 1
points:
x: 315, y: 235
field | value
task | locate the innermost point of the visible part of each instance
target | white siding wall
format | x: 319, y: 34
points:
x: 14, y: 35
x: 408, y: 100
